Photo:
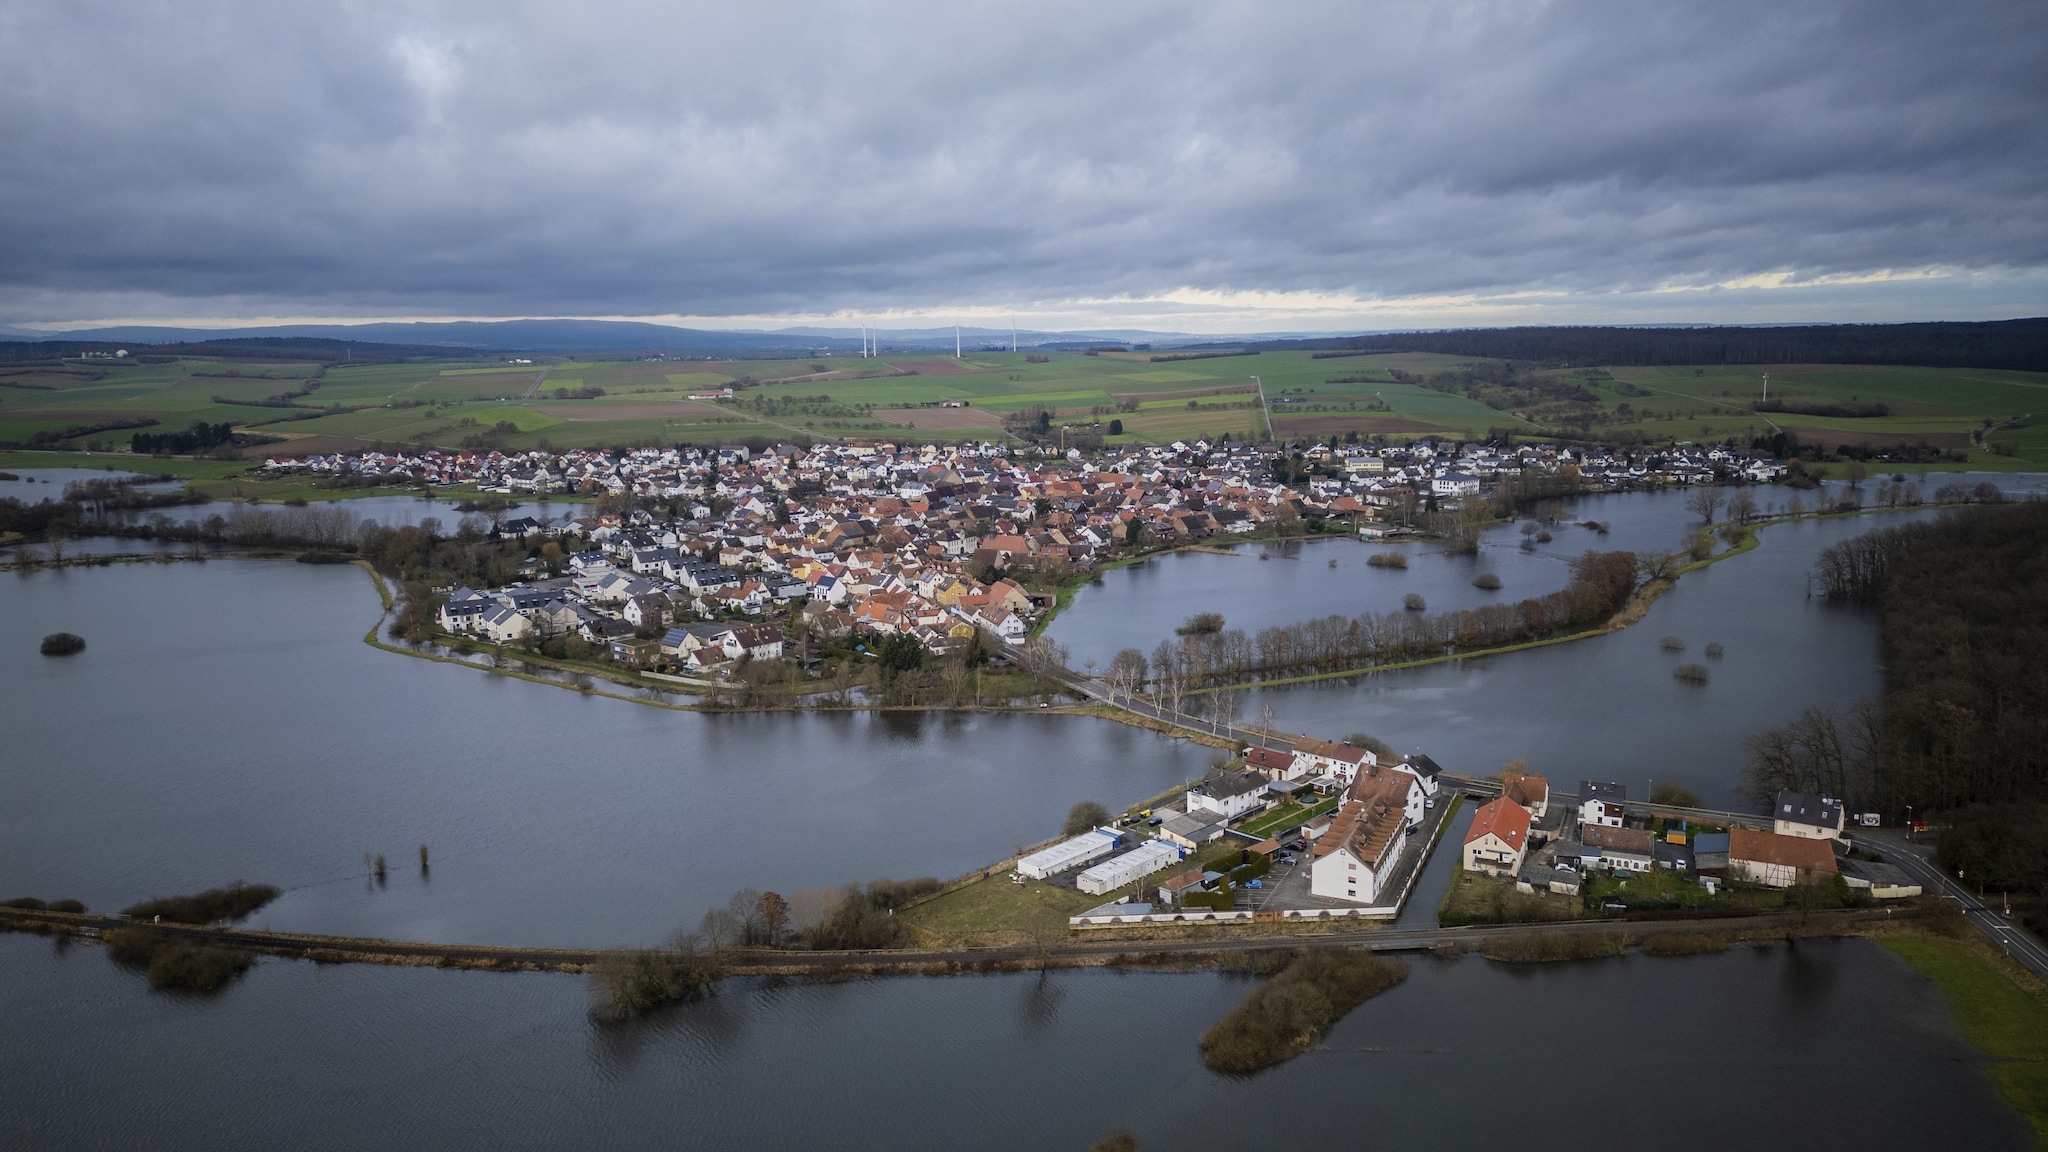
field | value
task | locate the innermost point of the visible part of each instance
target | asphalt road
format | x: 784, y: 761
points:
x: 1914, y: 858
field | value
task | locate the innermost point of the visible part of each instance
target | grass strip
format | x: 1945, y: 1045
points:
x: 2001, y: 1017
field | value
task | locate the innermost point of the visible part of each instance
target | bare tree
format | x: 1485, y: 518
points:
x: 719, y: 930
x: 742, y: 909
x: 1703, y: 503
x: 1742, y: 506
x: 1126, y: 672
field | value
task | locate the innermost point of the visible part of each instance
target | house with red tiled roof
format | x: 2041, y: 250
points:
x: 1275, y: 764
x: 1498, y: 839
x: 1778, y: 861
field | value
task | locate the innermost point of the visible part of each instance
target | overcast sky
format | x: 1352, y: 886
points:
x: 1184, y: 166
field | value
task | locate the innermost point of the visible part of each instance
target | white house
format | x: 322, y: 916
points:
x: 1806, y: 815
x: 1339, y: 760
x: 1275, y: 764
x: 1454, y: 484
x: 1601, y: 804
x: 1778, y: 861
x: 502, y: 625
x: 1227, y: 795
x: 1354, y: 858
x: 1498, y: 839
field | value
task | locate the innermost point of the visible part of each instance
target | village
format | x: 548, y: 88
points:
x: 1334, y: 831
x: 693, y: 560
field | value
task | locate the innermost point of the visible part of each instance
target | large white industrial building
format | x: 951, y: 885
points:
x: 1143, y: 860
x: 1093, y: 845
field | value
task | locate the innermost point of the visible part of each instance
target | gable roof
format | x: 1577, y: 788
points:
x: 1593, y: 790
x: 1784, y: 851
x: 1806, y: 808
x: 1504, y: 818
x: 1269, y: 760
x: 1637, y: 840
x: 1528, y: 791
x: 1330, y: 750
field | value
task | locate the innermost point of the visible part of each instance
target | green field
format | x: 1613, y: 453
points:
x: 483, y: 404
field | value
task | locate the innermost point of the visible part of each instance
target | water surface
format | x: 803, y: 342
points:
x: 1823, y: 1044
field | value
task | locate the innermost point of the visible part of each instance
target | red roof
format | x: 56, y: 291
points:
x: 1269, y: 760
x: 1785, y: 851
x: 1503, y: 818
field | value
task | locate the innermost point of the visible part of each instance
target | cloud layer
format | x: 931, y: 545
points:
x: 1179, y: 165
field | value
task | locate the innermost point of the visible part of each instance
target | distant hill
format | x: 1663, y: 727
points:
x: 470, y: 335
x: 594, y: 336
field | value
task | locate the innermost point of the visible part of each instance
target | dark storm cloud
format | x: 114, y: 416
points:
x: 493, y: 158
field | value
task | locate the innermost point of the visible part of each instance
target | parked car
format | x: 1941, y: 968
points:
x: 1255, y: 883
x: 1296, y: 845
x: 1286, y: 859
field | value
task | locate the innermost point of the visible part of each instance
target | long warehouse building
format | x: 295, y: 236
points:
x: 1069, y: 854
x: 1143, y: 860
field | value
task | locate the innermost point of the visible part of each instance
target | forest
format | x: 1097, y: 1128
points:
x: 2012, y: 344
x: 1961, y: 732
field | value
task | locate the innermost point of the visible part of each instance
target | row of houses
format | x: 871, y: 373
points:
x: 1804, y: 845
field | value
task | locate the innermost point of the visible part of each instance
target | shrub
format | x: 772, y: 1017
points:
x: 1553, y: 946
x: 175, y: 963
x: 1414, y: 602
x: 1684, y: 943
x: 1201, y: 624
x: 1691, y: 673
x: 1714, y: 651
x: 230, y: 903
x: 1221, y: 900
x: 1083, y: 816
x: 1487, y: 580
x: 31, y: 904
x: 1283, y: 1016
x: 63, y: 644
x: 1671, y: 644
x: 1396, y: 560
x: 627, y: 982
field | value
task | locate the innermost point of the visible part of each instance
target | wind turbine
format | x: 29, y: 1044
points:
x: 1767, y: 386
x: 1013, y: 334
x: 956, y: 341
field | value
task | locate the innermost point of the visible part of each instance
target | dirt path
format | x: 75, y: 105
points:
x: 1153, y: 946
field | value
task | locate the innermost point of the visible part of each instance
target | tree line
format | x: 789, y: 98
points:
x: 1601, y: 583
x: 1962, y: 726
x: 2016, y: 344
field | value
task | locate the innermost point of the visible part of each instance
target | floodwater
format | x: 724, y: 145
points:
x: 1835, y: 1042
x: 227, y: 722
x: 1610, y: 708
x: 1267, y: 583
